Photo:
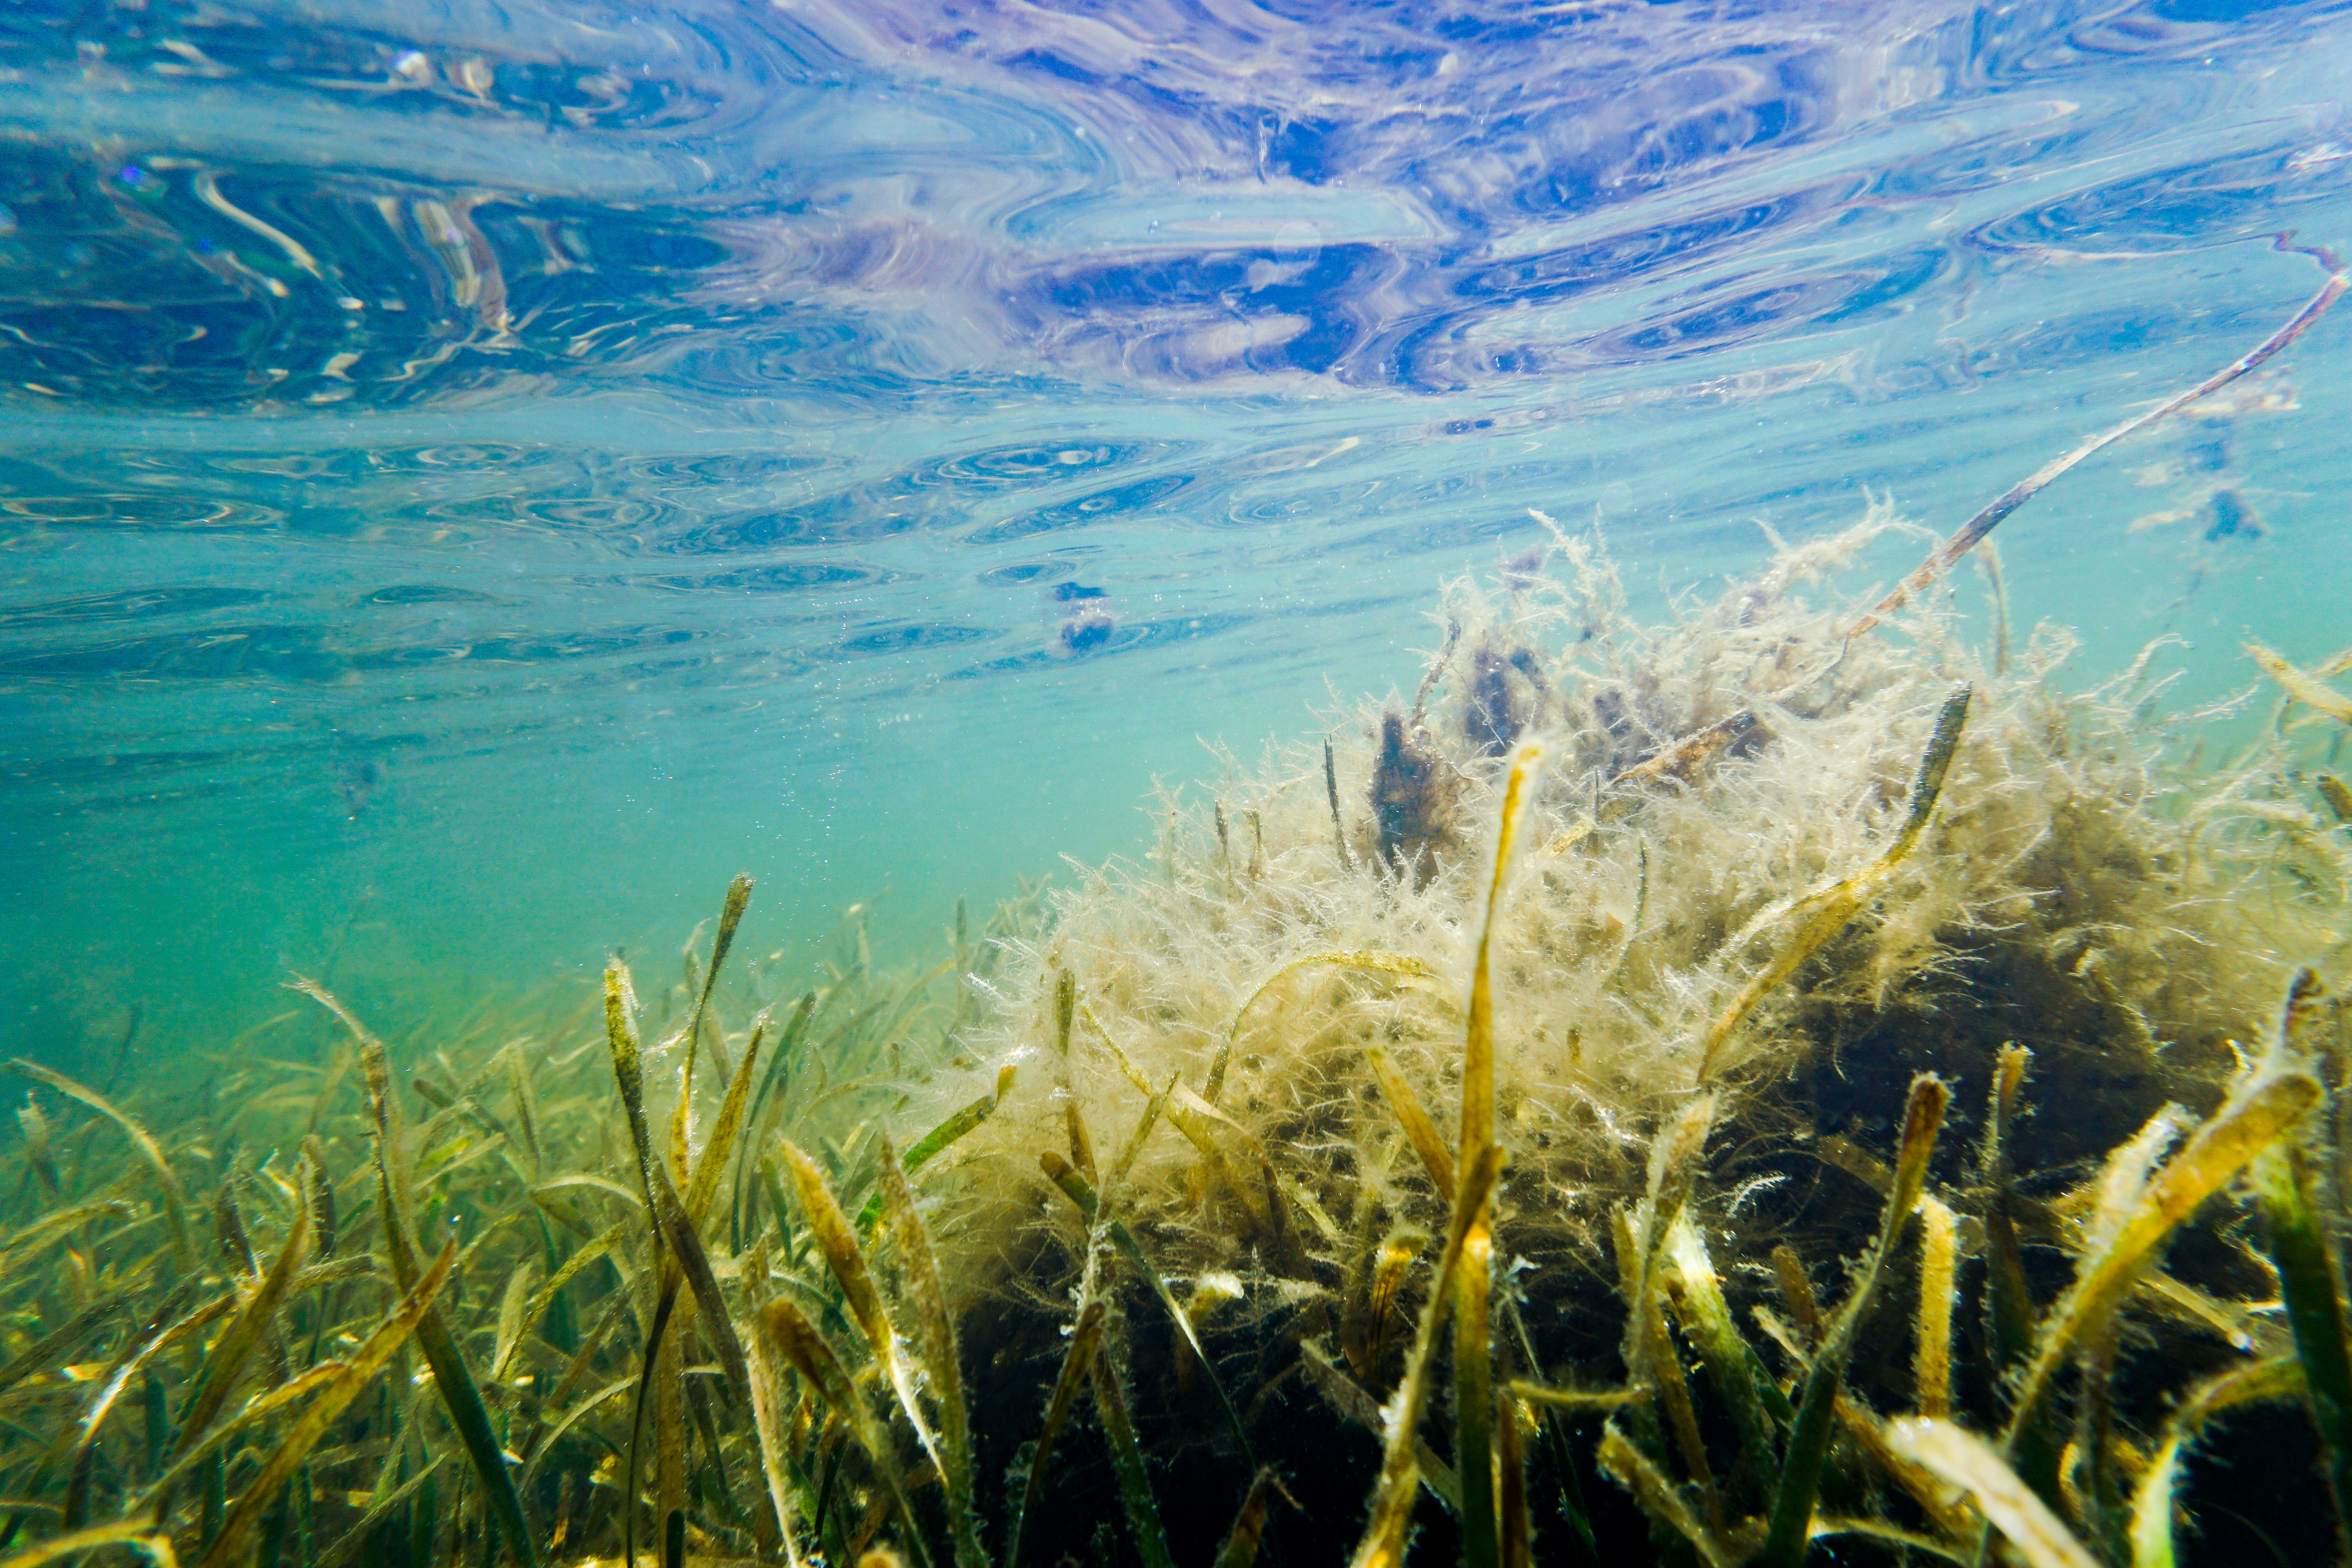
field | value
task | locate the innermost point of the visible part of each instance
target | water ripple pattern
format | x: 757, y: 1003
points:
x: 423, y: 378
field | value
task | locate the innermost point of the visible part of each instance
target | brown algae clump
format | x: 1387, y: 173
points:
x: 1736, y: 882
x: 2059, y: 885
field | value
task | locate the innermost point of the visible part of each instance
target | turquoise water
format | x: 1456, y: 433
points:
x: 475, y: 479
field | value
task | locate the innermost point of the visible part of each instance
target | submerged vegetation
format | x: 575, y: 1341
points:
x: 1721, y: 964
x: 1743, y: 1090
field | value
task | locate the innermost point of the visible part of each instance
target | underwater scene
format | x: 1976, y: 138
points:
x: 982, y: 784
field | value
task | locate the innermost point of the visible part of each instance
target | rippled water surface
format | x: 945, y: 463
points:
x: 476, y: 476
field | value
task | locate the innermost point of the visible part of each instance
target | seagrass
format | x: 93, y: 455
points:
x: 1499, y: 1162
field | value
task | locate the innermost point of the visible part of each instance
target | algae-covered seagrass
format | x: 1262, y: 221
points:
x: 1493, y: 1129
x: 1697, y: 986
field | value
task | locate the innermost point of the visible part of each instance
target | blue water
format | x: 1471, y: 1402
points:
x: 474, y: 477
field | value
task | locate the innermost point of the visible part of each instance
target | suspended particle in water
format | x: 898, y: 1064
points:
x: 358, y: 784
x: 2231, y: 518
x: 1088, y: 620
